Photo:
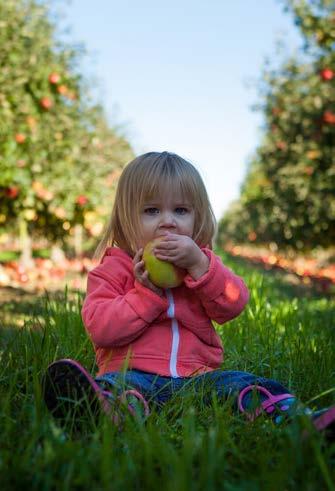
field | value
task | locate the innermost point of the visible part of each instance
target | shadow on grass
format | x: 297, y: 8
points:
x: 17, y: 305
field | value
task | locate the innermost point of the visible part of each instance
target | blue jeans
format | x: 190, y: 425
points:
x: 157, y: 389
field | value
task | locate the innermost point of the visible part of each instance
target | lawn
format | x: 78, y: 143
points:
x: 283, y: 334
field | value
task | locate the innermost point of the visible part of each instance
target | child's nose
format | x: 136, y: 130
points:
x: 167, y: 219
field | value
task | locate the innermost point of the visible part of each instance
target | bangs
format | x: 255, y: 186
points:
x: 167, y: 176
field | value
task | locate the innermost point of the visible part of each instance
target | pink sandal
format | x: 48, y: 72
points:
x: 269, y: 405
x: 127, y: 397
x: 69, y: 389
x: 325, y: 422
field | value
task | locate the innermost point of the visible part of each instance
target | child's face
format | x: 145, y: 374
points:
x: 167, y: 213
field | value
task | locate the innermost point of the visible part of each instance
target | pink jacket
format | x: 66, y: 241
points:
x: 171, y: 335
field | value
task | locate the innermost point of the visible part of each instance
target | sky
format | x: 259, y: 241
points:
x: 182, y: 76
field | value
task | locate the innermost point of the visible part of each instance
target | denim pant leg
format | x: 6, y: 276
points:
x: 227, y: 383
x: 154, y: 388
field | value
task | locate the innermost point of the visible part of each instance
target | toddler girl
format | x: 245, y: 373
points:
x: 151, y: 342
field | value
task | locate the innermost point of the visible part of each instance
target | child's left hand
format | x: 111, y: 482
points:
x: 182, y: 251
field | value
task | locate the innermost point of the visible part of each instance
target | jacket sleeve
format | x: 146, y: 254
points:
x: 222, y: 293
x: 113, y: 317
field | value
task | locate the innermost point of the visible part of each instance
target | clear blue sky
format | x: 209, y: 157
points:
x: 173, y: 75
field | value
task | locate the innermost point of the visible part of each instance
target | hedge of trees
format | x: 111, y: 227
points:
x: 288, y: 196
x: 59, y: 159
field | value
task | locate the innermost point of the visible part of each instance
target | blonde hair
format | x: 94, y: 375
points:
x: 144, y: 177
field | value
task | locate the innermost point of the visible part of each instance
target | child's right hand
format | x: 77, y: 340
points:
x: 142, y: 275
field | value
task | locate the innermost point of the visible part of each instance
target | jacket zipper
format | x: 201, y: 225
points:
x: 175, y: 334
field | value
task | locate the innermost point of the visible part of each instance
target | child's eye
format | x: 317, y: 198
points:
x: 151, y: 210
x: 181, y: 210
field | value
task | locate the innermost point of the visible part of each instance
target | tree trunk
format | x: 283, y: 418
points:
x: 78, y: 240
x: 57, y: 254
x: 26, y: 258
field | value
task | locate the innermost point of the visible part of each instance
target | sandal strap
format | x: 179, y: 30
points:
x: 269, y: 403
x: 326, y: 419
x: 138, y: 395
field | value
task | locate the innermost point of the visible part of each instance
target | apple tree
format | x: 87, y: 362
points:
x: 288, y: 194
x: 56, y: 149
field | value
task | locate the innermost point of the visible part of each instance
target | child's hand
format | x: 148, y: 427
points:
x: 142, y: 275
x: 182, y: 251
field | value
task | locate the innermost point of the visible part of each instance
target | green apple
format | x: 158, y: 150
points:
x: 161, y: 273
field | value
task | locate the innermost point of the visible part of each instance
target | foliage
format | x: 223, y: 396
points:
x: 59, y: 159
x: 288, y: 195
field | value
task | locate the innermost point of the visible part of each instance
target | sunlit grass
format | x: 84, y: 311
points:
x: 186, y: 446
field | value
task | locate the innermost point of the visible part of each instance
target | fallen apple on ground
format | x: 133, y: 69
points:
x: 161, y: 273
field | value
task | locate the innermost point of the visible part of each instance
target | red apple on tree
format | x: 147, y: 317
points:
x: 62, y: 89
x: 328, y: 117
x: 20, y: 138
x: 46, y: 103
x: 81, y: 200
x: 327, y: 74
x: 54, y: 78
x: 12, y: 192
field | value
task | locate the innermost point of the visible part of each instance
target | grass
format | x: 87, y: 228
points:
x: 11, y: 255
x: 186, y: 446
